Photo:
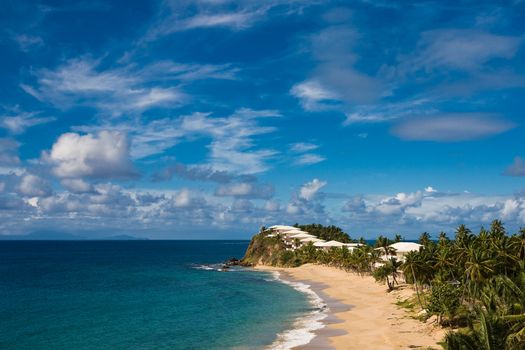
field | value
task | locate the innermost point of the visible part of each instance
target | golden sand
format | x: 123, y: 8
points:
x: 373, y: 320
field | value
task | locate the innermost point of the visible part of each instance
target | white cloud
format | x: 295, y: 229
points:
x: 104, y: 155
x: 27, y: 42
x: 451, y: 127
x: 33, y: 186
x: 245, y: 189
x: 313, y: 95
x: 398, y: 203
x: 415, y: 212
x: 233, y: 147
x: 385, y: 112
x: 120, y: 89
x: 19, y: 123
x: 76, y: 185
x: 183, y: 198
x: 430, y: 189
x: 303, y: 147
x: 235, y: 20
x: 310, y: 189
x: 176, y: 16
x: 309, y: 159
x: 464, y: 49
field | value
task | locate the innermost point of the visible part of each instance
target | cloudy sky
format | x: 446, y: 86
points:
x: 210, y: 118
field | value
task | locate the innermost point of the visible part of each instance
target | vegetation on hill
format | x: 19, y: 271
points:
x: 265, y: 250
x: 474, y: 284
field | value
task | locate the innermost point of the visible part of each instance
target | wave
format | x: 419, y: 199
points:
x: 303, y: 328
x: 204, y: 267
x: 216, y: 267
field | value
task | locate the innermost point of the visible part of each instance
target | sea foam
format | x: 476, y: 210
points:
x: 303, y: 328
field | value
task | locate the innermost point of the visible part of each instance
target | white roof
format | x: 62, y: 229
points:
x: 353, y: 244
x: 291, y: 232
x: 302, y: 235
x: 405, y: 247
x: 282, y: 228
x: 312, y: 239
x: 329, y: 244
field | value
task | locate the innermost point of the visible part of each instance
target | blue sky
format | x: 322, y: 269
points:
x: 210, y: 118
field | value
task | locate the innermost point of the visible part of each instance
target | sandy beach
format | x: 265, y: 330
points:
x: 364, y: 315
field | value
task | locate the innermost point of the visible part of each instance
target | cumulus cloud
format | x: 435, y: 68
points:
x: 246, y: 190
x: 310, y: 189
x: 34, y: 186
x: 76, y: 185
x: 451, y: 127
x: 430, y: 189
x: 414, y: 212
x: 102, y: 155
x: 517, y: 168
x: 398, y: 203
x: 233, y: 147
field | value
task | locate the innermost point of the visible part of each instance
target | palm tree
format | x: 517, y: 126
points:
x: 516, y: 334
x: 424, y: 239
x: 488, y: 334
x: 477, y: 268
x: 442, y: 239
x: 518, y: 244
x: 463, y: 235
x: 497, y: 231
x: 384, y: 243
x: 444, y: 261
x: 394, y: 265
x: 410, y: 266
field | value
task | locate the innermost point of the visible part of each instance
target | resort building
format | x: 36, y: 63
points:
x: 400, y: 249
x: 294, y: 238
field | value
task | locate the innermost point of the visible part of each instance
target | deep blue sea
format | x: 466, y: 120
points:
x: 138, y: 295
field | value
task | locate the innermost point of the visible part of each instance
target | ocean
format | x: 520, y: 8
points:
x: 146, y: 295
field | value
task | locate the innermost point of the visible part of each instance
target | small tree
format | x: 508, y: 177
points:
x: 444, y: 301
x: 388, y: 273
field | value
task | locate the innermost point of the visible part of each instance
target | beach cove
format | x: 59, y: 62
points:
x: 365, y: 316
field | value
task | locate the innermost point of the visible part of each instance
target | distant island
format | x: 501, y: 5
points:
x: 471, y: 287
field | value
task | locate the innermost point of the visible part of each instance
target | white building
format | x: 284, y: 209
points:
x: 328, y: 245
x: 400, y: 250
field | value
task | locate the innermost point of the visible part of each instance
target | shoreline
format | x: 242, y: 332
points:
x: 361, y: 314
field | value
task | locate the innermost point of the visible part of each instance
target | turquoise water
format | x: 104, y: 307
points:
x: 138, y: 295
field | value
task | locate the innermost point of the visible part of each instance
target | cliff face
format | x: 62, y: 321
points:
x: 264, y: 251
